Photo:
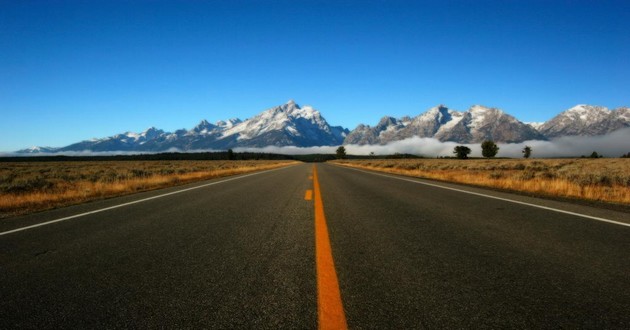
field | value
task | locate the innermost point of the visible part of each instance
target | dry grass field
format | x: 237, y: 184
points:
x: 36, y: 186
x: 602, y: 180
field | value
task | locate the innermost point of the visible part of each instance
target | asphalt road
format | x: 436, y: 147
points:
x: 241, y: 254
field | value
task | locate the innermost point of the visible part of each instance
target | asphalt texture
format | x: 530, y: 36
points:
x: 241, y: 255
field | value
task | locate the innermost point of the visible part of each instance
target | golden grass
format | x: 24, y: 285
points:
x: 602, y: 180
x: 35, y: 186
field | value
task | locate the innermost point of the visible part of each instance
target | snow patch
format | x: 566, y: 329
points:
x: 456, y: 117
x: 478, y: 116
x: 292, y: 131
x: 535, y: 124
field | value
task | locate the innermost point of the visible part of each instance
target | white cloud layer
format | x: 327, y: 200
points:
x: 611, y: 145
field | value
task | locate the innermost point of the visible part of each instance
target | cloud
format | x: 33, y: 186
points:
x: 611, y: 145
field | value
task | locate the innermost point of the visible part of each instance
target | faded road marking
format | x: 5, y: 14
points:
x: 494, y: 197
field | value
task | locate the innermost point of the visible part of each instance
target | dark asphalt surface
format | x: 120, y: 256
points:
x: 233, y: 255
x: 240, y: 254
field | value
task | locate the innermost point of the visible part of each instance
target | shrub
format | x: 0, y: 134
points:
x: 526, y: 175
x: 462, y: 152
x: 527, y: 151
x: 489, y: 149
x: 496, y: 175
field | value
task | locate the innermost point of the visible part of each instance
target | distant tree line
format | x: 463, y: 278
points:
x: 594, y: 154
x: 221, y: 155
x: 489, y: 149
x: 341, y: 153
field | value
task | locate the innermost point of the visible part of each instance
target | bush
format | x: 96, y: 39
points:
x: 527, y: 151
x: 462, y: 152
x: 22, y: 185
x: 489, y: 149
x: 496, y: 175
x: 527, y: 175
x: 341, y: 152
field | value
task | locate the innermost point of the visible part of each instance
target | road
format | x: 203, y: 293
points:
x: 241, y: 253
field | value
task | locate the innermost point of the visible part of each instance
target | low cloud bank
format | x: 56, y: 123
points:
x: 611, y: 145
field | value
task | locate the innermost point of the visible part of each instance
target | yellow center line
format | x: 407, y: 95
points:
x: 329, y: 306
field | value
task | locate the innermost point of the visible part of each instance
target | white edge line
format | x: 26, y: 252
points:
x: 493, y: 197
x: 136, y: 202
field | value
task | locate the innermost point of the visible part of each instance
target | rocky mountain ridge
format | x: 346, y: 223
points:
x: 477, y: 124
x: 292, y: 125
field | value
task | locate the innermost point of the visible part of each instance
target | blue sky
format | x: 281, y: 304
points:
x: 73, y: 70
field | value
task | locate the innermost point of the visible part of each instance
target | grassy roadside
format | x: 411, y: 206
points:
x: 596, y: 180
x: 37, y: 186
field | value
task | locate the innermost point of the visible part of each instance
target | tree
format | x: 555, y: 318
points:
x: 527, y: 151
x: 489, y: 149
x: 230, y: 154
x: 462, y: 152
x: 595, y: 155
x: 341, y: 152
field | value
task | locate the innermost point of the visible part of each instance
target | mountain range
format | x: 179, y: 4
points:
x: 292, y: 125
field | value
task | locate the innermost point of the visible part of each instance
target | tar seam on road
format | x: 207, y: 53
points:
x: 134, y: 202
x: 329, y: 305
x: 499, y: 198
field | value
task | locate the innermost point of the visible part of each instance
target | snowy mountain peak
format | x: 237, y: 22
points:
x: 151, y: 133
x: 151, y: 130
x: 291, y: 110
x: 128, y: 137
x: 536, y: 125
x: 204, y: 127
x: 437, y: 109
x: 37, y: 150
x: 475, y: 125
x: 585, y: 120
x: 289, y: 107
x: 438, y: 114
x: 291, y: 125
x: 288, y: 124
x: 204, y: 124
x: 440, y: 108
x: 586, y: 113
x: 480, y: 109
x: 478, y: 115
x: 228, y: 123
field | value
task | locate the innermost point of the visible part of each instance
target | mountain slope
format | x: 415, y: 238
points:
x: 292, y: 125
x: 284, y: 125
x: 386, y: 130
x: 586, y: 120
x: 473, y: 126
